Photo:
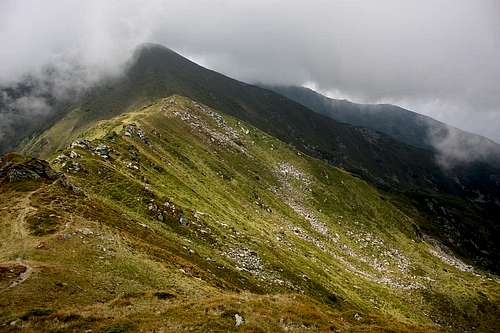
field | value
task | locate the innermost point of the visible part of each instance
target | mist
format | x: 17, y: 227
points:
x: 438, y: 58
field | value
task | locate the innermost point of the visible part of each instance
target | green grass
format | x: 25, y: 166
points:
x: 43, y: 223
x: 242, y: 247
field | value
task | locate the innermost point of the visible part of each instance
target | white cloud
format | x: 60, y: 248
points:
x: 415, y: 52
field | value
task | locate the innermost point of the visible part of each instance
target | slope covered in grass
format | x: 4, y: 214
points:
x: 176, y: 216
x: 468, y: 193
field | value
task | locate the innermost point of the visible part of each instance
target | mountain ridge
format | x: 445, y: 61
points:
x: 399, y: 169
x: 175, y: 215
x: 158, y: 71
x: 404, y: 125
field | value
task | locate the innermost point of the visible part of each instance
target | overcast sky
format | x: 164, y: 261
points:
x: 439, y: 58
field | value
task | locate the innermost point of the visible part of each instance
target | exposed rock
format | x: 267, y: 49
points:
x: 238, y: 319
x: 132, y: 129
x: 17, y: 168
x: 222, y: 133
x: 247, y: 260
x: 66, y: 156
x: 293, y: 197
x: 293, y: 184
x: 61, y: 159
x: 70, y: 186
x: 291, y: 171
x: 183, y: 220
x: 152, y: 207
x: 132, y: 166
x: 17, y: 175
x: 103, y: 151
x: 72, y: 166
x: 441, y: 252
x: 81, y: 143
x: 86, y: 231
x: 73, y: 154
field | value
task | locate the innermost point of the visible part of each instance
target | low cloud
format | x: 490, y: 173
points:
x: 18, y: 112
x: 33, y: 101
x: 454, y: 148
x: 411, y: 52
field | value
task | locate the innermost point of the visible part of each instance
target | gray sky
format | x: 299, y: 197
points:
x: 436, y: 57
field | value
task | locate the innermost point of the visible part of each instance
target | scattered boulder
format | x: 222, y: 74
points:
x: 64, y: 182
x: 103, y: 151
x: 72, y: 166
x: 152, y: 207
x: 73, y: 154
x: 247, y: 260
x: 86, y: 231
x: 238, y: 319
x: 63, y: 158
x: 156, y: 133
x: 132, y: 129
x: 183, y: 220
x: 81, y: 143
x: 134, y: 153
x: 166, y: 212
x: 132, y: 166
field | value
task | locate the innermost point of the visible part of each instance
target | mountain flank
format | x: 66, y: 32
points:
x: 176, y: 216
x: 403, y: 125
x: 458, y: 205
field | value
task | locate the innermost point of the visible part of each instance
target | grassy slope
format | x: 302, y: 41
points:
x: 156, y: 72
x: 284, y: 240
x: 471, y: 228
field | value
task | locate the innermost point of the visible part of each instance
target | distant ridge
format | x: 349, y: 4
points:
x: 404, y: 125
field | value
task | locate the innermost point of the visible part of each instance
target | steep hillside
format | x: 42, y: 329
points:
x: 178, y: 217
x: 156, y: 72
x: 403, y: 125
x: 469, y: 195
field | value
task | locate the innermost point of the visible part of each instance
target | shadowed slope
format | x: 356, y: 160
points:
x: 403, y: 125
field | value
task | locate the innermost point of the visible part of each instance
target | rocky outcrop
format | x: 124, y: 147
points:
x: 16, y: 168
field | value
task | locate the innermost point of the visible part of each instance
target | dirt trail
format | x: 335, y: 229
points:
x: 20, y: 237
x: 22, y: 277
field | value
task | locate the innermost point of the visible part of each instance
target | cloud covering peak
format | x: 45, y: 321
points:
x: 439, y: 57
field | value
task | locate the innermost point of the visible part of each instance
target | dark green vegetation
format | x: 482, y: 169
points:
x: 465, y: 156
x: 177, y: 217
x: 403, y: 125
x: 408, y: 174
